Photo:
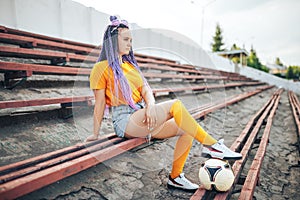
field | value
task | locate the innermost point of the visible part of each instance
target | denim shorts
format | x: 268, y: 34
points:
x: 121, y: 115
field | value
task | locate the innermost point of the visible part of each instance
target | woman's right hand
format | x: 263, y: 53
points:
x: 151, y: 117
x: 91, y: 138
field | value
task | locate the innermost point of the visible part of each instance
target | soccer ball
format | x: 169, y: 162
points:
x: 217, y: 174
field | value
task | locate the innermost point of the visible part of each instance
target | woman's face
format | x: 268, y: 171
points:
x: 124, y: 41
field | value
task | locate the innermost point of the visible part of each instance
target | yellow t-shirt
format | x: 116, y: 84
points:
x: 102, y: 77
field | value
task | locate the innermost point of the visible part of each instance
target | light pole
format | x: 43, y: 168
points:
x: 202, y: 21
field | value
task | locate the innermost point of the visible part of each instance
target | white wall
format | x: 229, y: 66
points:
x: 59, y: 18
x: 222, y: 63
x: 71, y: 20
x: 152, y: 41
x: 269, y: 78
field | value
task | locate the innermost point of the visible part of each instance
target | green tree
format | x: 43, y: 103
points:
x: 293, y: 72
x: 234, y: 47
x: 253, y: 61
x: 278, y: 62
x: 217, y: 40
x: 289, y: 73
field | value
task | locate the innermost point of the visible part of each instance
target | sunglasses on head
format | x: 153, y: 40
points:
x: 117, y: 22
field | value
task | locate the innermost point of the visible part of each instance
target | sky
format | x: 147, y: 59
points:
x: 271, y: 27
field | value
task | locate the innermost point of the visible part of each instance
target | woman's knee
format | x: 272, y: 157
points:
x: 169, y: 105
x: 176, y: 101
x: 177, y: 104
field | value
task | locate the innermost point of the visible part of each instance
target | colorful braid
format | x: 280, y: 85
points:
x: 109, y: 52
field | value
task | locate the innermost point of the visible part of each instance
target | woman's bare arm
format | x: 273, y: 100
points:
x: 148, y: 95
x: 98, y: 113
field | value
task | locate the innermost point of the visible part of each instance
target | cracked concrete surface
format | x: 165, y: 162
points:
x: 142, y: 173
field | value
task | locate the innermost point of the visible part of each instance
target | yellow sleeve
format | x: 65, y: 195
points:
x: 98, y: 76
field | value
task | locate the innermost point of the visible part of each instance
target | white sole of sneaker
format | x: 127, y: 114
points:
x: 175, y: 187
x: 207, y: 155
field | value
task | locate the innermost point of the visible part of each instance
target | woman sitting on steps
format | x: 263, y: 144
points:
x: 118, y: 82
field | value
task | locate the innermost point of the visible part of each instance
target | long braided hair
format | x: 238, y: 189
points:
x: 110, y: 53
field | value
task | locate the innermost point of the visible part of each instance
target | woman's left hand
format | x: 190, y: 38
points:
x: 151, y: 117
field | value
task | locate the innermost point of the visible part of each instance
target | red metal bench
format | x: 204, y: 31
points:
x: 23, y: 177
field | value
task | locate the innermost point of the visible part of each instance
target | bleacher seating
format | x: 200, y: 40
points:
x: 26, y: 55
x: 54, y: 56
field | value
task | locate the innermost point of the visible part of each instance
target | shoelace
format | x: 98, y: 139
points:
x: 222, y: 146
x: 184, y: 179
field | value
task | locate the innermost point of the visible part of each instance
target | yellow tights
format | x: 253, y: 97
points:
x: 192, y: 130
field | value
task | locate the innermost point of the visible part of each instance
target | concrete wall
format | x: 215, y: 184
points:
x: 59, y: 18
x: 168, y: 44
x: 71, y: 20
x: 224, y: 64
x: 269, y: 78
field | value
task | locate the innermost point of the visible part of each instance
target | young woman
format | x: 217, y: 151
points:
x: 118, y: 82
